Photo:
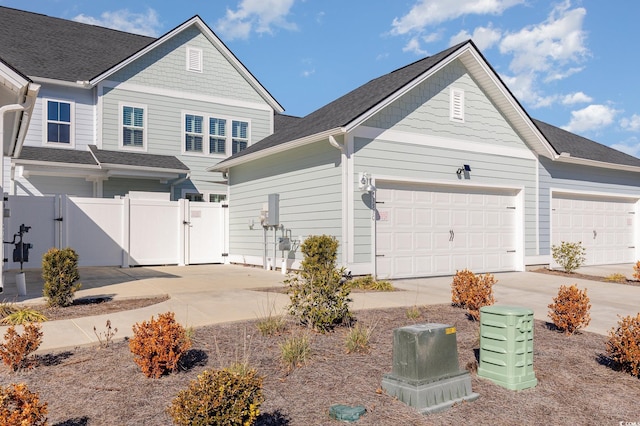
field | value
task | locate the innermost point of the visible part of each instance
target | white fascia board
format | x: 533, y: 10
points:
x: 595, y: 163
x: 121, y: 169
x: 274, y: 150
x: 12, y: 79
x: 214, y: 40
x: 63, y: 83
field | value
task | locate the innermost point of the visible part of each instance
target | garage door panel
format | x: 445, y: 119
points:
x: 444, y: 232
x: 603, y: 225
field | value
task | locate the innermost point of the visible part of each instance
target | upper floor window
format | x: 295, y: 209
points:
x: 193, y: 133
x: 221, y: 141
x: 240, y: 135
x: 133, y: 126
x: 59, y: 122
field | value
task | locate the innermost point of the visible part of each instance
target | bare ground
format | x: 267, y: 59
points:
x: 92, y: 386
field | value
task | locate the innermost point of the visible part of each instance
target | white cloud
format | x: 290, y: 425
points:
x: 123, y: 20
x: 430, y: 12
x: 593, y: 117
x: 632, y: 124
x: 308, y: 73
x: 261, y: 16
x: 631, y: 146
x: 413, y: 45
x: 576, y: 98
x: 556, y: 42
x: 483, y: 37
x: 523, y: 87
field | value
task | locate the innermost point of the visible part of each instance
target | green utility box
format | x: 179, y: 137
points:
x: 425, y: 372
x: 506, y: 346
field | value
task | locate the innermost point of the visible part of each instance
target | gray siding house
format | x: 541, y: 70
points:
x: 119, y: 112
x: 432, y: 168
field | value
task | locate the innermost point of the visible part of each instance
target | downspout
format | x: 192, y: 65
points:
x: 27, y: 107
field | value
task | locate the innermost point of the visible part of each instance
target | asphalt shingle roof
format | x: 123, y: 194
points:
x: 138, y: 159
x: 41, y: 46
x: 581, y: 147
x: 56, y: 155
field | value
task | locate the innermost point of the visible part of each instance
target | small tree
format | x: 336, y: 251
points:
x: 472, y: 291
x: 624, y: 344
x: 319, y: 296
x: 570, y: 309
x: 60, y: 273
x: 570, y: 256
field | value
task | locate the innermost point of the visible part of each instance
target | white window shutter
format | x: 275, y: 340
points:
x: 457, y: 105
x: 194, y: 59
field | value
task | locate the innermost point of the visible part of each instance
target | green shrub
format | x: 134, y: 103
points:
x: 570, y: 309
x: 357, y: 340
x: 319, y: 296
x: 219, y: 397
x: 368, y: 283
x: 17, y: 347
x: 157, y: 345
x: 570, y: 256
x: 295, y: 351
x: 472, y: 291
x: 20, y: 406
x: 413, y: 313
x: 60, y: 273
x: 623, y: 345
x: 23, y: 315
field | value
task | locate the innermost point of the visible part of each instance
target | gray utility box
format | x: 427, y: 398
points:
x: 506, y: 346
x: 425, y: 373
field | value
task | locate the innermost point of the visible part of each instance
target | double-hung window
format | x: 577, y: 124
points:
x: 59, y: 122
x: 240, y: 136
x: 214, y: 135
x: 133, y: 126
x: 193, y: 133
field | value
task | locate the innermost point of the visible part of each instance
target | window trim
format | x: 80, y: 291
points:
x: 206, y: 151
x: 145, y: 127
x: 206, y: 195
x: 45, y: 123
x: 198, y: 59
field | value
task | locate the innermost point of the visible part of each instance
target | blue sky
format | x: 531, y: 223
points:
x: 571, y: 63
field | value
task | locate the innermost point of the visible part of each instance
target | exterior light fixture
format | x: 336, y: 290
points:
x: 464, y: 168
x: 364, y: 183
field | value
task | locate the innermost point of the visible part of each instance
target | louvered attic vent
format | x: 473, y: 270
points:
x: 194, y: 59
x: 456, y: 110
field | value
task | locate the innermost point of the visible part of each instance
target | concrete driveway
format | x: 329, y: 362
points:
x: 209, y: 294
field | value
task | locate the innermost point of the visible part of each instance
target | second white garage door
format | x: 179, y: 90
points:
x: 605, y: 226
x: 427, y: 231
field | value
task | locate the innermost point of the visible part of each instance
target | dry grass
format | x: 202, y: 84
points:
x: 92, y: 386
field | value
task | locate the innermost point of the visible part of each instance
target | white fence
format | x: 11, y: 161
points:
x: 118, y: 232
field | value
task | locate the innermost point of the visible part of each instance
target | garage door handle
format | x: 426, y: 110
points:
x: 595, y: 234
x: 452, y: 235
x: 379, y: 255
x: 511, y: 251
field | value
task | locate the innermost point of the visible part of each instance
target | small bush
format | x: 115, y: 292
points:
x: 23, y: 315
x: 570, y: 256
x: 570, y: 309
x: 17, y: 347
x: 623, y: 345
x: 357, y: 340
x: 60, y: 273
x: 219, y: 397
x: 295, y: 351
x: 636, y: 270
x: 413, y: 313
x: 19, y: 406
x: 272, y: 325
x: 368, y: 283
x: 616, y: 278
x: 157, y: 345
x: 472, y: 291
x: 319, y: 296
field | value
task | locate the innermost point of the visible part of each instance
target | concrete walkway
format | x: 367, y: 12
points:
x: 210, y: 294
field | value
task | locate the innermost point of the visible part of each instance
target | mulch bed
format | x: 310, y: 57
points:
x: 103, y: 386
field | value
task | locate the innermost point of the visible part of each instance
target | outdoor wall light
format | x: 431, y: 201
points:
x: 364, y: 183
x: 464, y: 168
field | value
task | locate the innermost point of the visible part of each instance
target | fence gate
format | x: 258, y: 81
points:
x: 118, y: 232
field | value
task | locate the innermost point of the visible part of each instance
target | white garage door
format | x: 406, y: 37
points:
x: 605, y: 226
x: 428, y: 231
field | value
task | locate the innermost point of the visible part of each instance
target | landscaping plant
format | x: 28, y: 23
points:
x: 368, y: 283
x: 21, y: 407
x: 60, y: 273
x: 219, y: 397
x: 472, y: 291
x: 16, y: 347
x: 357, y: 340
x: 295, y: 351
x: 616, y: 278
x: 570, y: 309
x: 22, y: 315
x: 570, y: 256
x: 319, y: 296
x: 623, y: 345
x: 636, y: 270
x: 157, y: 345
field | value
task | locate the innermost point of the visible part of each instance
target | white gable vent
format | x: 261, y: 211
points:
x: 194, y: 59
x: 456, y: 108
